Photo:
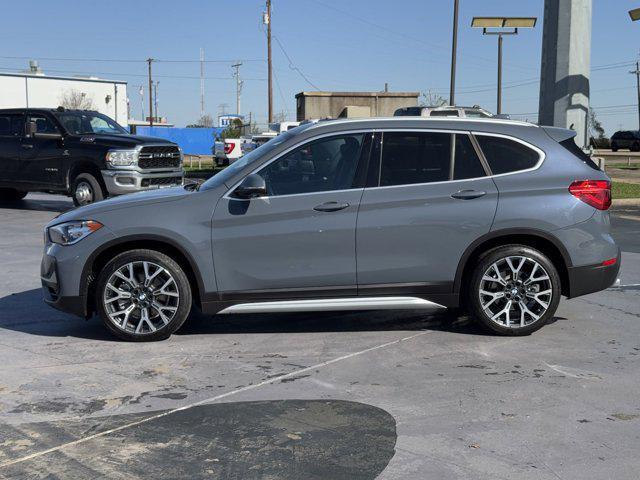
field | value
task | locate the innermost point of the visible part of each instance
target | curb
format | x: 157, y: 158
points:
x: 626, y: 202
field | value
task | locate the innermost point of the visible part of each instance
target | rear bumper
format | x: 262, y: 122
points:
x: 119, y: 182
x: 75, y: 305
x: 592, y: 278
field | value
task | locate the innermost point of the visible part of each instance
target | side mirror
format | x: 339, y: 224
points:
x: 252, y: 186
x: 31, y: 129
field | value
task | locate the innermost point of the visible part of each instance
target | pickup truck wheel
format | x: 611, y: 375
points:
x: 86, y: 189
x: 143, y: 295
x: 11, y: 194
x: 514, y: 290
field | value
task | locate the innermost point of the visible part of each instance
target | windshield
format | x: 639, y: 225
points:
x: 80, y: 123
x: 250, y: 157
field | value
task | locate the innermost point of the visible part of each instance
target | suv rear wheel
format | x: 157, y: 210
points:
x: 86, y: 189
x: 11, y: 194
x: 514, y: 290
x: 143, y: 295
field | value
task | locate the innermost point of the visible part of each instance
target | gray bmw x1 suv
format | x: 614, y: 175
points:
x: 497, y: 217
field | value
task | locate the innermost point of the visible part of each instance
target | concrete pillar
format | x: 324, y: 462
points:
x: 566, y: 61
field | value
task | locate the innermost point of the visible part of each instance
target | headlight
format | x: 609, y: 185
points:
x: 122, y: 158
x: 71, y: 232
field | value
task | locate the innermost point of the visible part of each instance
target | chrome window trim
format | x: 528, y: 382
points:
x: 472, y: 134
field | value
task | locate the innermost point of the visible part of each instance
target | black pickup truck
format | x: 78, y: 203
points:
x: 80, y: 153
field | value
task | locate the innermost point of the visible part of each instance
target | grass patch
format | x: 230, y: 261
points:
x: 625, y: 190
x: 624, y: 166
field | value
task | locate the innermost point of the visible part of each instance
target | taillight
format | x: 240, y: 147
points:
x: 228, y: 147
x: 596, y: 193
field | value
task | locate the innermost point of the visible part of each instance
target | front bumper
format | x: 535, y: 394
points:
x: 119, y: 182
x: 592, y: 278
x: 75, y: 305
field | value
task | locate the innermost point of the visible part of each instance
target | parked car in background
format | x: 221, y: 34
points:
x: 443, y: 111
x: 227, y: 151
x: 281, y: 127
x: 626, y: 139
x: 258, y: 140
x: 80, y: 153
x: 497, y: 217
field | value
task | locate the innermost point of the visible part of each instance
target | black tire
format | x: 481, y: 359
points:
x: 182, y: 288
x: 86, y: 190
x: 614, y: 147
x: 635, y: 147
x: 11, y: 194
x: 496, y: 256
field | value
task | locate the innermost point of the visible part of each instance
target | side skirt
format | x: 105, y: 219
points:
x: 334, y: 304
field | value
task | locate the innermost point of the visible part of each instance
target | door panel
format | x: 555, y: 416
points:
x: 11, y: 131
x: 42, y: 158
x: 302, y: 234
x: 435, y: 201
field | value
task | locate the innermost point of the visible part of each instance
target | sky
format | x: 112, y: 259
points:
x: 341, y: 45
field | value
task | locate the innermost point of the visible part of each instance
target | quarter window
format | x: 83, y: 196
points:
x: 322, y: 165
x: 506, y: 156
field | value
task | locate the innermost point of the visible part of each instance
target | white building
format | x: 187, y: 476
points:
x: 36, y: 90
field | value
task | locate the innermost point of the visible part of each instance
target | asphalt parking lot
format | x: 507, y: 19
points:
x: 390, y: 395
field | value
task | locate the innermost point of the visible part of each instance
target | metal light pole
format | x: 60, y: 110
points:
x: 635, y: 15
x: 502, y: 23
x: 454, y: 50
x: 267, y: 20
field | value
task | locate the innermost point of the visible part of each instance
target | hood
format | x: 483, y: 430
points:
x: 130, y: 200
x: 122, y: 141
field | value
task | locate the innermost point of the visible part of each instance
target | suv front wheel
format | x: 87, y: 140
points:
x: 143, y: 295
x: 514, y: 290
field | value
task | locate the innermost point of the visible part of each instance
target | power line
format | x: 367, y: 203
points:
x: 113, y: 60
x: 292, y: 65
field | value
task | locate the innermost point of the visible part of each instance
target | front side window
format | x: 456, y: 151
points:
x: 318, y: 166
x: 43, y: 124
x: 505, y: 155
x: 415, y: 157
x: 80, y: 123
x: 11, y: 125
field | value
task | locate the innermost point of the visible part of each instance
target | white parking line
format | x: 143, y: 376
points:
x: 208, y: 400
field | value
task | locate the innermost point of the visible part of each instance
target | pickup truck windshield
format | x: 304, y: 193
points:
x: 81, y: 123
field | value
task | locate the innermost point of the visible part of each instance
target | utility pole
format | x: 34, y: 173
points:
x: 267, y: 20
x: 149, y: 61
x: 201, y: 82
x: 636, y: 72
x: 238, y: 85
x: 454, y: 50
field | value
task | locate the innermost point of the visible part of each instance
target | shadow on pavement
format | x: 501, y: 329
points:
x: 55, y: 204
x: 26, y: 312
x: 284, y: 439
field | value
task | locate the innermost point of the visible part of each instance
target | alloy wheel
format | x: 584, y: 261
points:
x: 141, y: 297
x: 515, y: 291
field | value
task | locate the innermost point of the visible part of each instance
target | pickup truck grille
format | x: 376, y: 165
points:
x: 159, y: 156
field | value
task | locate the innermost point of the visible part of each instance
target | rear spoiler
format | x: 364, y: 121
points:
x: 559, y: 134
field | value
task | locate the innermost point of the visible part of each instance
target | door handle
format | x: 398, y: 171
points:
x: 330, y: 207
x: 468, y: 194
x: 26, y: 146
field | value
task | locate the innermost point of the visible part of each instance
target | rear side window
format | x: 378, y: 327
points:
x: 506, y: 156
x: 570, y: 145
x: 444, y: 113
x: 466, y: 161
x: 11, y: 125
x: 410, y: 157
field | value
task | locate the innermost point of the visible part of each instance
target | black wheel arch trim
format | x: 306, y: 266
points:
x: 507, y: 232
x: 87, y: 268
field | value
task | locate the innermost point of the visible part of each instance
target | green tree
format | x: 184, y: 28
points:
x: 234, y: 130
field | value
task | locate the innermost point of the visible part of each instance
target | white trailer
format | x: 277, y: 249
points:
x: 29, y: 90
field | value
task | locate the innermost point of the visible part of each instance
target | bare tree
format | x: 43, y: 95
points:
x: 76, y: 100
x: 431, y: 99
x: 205, y: 121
